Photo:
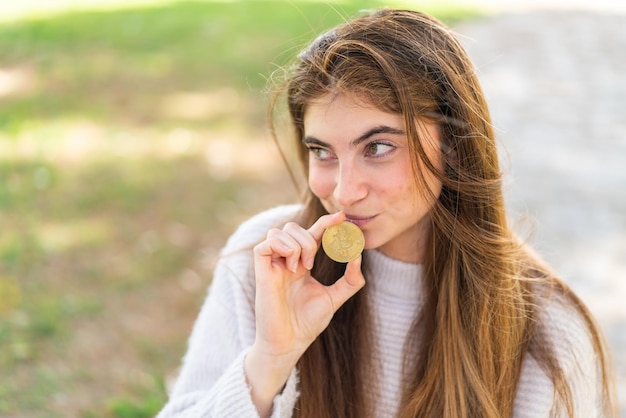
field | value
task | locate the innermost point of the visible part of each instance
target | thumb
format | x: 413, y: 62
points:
x: 351, y: 282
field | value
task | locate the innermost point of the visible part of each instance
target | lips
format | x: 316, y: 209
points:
x: 358, y: 220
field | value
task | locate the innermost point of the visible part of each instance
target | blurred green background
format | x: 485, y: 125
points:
x: 132, y: 142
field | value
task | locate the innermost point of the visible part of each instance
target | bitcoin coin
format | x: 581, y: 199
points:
x: 343, y: 242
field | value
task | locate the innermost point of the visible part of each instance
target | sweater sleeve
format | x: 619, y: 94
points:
x: 572, y: 344
x: 212, y: 381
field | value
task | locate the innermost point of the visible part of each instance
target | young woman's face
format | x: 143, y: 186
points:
x: 359, y: 163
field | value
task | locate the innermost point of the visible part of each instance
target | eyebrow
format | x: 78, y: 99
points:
x: 382, y: 129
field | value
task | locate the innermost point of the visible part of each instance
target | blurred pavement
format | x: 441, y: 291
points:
x: 555, y: 81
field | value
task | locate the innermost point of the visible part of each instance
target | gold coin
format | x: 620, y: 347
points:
x: 343, y: 242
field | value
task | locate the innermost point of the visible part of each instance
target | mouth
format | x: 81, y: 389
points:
x: 358, y: 220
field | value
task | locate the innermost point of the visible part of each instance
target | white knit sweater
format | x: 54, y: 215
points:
x: 212, y: 382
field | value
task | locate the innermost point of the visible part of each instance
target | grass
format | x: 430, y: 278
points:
x: 132, y: 142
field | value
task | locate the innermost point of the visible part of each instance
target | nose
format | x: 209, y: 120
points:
x: 350, y: 185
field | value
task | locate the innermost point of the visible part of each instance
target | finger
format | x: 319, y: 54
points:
x: 353, y: 273
x: 347, y: 286
x: 267, y: 251
x: 308, y: 244
x: 317, y: 229
x: 265, y: 265
x: 289, y: 240
x: 272, y: 248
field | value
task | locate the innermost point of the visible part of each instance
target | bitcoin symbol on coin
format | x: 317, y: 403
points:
x: 343, y: 242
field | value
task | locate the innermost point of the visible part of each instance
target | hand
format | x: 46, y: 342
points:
x: 292, y: 307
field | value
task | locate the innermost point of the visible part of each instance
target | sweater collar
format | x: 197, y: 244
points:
x: 393, y: 277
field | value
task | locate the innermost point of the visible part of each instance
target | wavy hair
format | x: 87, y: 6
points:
x: 483, y: 286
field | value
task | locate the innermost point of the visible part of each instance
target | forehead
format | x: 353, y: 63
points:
x: 345, y: 112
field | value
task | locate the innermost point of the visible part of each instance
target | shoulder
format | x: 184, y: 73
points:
x: 566, y: 330
x: 253, y: 230
x: 566, y: 323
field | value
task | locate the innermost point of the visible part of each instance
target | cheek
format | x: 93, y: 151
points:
x: 408, y: 193
x: 321, y: 184
x: 399, y: 183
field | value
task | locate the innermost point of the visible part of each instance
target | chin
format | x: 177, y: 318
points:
x: 371, y: 244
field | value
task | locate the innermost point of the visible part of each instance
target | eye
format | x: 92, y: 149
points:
x: 321, y: 154
x: 378, y: 149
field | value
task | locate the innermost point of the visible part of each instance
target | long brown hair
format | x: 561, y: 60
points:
x: 484, y: 288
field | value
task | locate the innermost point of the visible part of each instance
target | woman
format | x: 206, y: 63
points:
x: 446, y: 314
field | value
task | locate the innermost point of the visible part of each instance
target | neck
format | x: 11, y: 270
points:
x: 411, y: 247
